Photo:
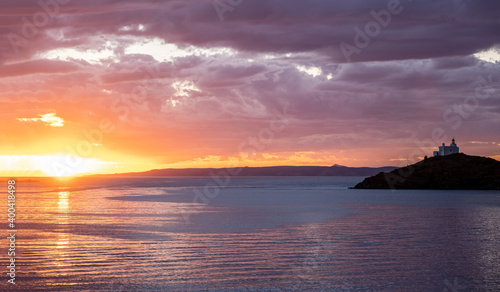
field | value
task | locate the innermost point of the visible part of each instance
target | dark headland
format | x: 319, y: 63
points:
x: 452, y: 172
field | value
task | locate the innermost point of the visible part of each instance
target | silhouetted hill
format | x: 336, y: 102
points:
x: 452, y: 172
x: 335, y: 170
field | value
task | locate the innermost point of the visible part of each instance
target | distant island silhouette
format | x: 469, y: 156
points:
x: 334, y: 170
x: 450, y: 172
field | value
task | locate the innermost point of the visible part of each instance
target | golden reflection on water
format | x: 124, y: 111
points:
x: 63, y: 206
x: 63, y: 203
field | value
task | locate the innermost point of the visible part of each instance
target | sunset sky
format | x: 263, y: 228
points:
x: 118, y: 86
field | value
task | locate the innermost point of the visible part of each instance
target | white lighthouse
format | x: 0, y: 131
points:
x: 447, y: 150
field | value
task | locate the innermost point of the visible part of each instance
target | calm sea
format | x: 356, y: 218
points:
x: 253, y: 234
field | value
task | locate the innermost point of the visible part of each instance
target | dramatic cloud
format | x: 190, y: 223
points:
x: 191, y: 83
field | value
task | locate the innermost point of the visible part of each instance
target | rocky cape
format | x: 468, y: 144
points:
x: 452, y: 172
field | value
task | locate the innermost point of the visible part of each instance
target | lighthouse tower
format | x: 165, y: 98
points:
x: 447, y: 150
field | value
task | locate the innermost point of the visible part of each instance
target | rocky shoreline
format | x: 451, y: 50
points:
x: 452, y: 172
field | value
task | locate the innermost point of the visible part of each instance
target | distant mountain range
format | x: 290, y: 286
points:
x: 335, y: 170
